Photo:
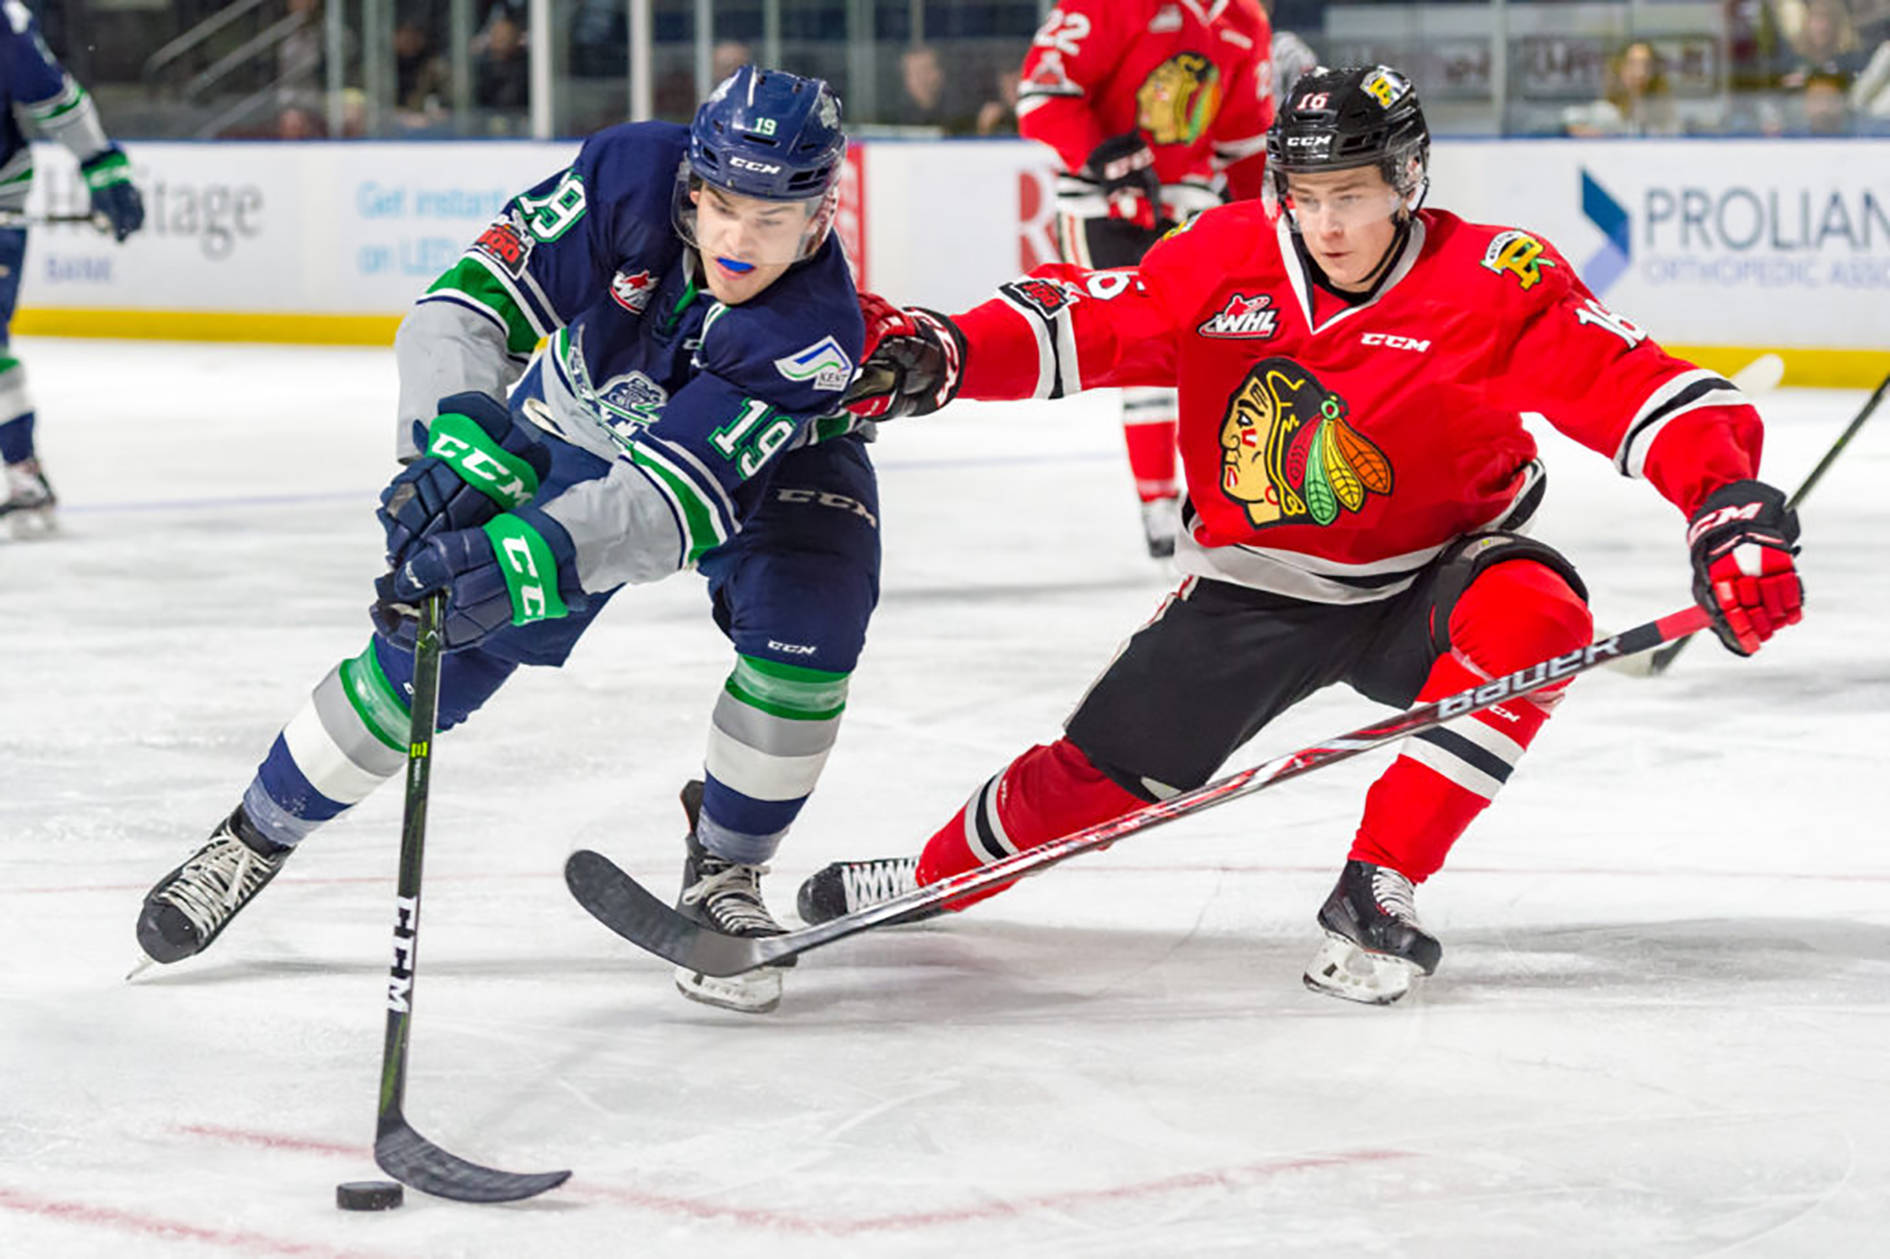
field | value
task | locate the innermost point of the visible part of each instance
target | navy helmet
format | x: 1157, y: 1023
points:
x: 770, y: 135
x: 1350, y: 117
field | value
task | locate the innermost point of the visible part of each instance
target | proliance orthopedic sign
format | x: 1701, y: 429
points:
x: 1736, y: 243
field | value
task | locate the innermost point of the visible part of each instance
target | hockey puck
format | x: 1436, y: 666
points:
x: 368, y: 1195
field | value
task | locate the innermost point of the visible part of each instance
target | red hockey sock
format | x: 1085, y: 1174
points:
x: 1513, y: 615
x: 1150, y: 435
x: 1047, y: 793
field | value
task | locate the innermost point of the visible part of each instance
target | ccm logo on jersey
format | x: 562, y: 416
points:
x: 1249, y: 318
x: 1392, y: 341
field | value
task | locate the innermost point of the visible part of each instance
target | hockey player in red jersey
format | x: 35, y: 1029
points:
x: 1351, y: 368
x: 1158, y: 109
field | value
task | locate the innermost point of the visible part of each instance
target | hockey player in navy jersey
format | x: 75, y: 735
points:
x: 685, y: 413
x: 36, y: 88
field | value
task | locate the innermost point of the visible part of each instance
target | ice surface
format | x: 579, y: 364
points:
x: 1659, y: 1028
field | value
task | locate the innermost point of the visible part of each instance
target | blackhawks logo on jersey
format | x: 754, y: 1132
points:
x: 1178, y: 100
x: 1287, y: 454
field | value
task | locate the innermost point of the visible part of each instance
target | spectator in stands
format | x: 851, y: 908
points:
x: 728, y: 56
x: 998, y: 117
x: 422, y: 82
x: 293, y: 122
x: 1637, y: 102
x: 922, y: 104
x: 501, y: 74
x: 1826, y: 45
x: 1824, y: 103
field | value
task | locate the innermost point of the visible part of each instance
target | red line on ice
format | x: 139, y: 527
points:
x: 786, y: 1222
x: 155, y: 1226
x: 273, y: 1140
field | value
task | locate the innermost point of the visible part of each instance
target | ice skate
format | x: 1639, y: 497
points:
x: 1161, y: 523
x: 726, y: 896
x: 29, y: 503
x: 189, y: 907
x: 1375, y: 946
x: 846, y: 887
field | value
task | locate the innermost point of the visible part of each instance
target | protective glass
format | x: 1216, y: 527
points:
x: 750, y: 230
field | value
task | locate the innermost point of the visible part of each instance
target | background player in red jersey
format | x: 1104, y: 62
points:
x: 1158, y: 109
x: 1351, y: 371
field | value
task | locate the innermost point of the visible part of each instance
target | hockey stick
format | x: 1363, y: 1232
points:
x: 1660, y: 660
x: 403, y: 1153
x: 622, y: 904
x: 20, y: 218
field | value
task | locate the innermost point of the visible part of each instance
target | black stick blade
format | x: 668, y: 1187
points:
x: 419, y: 1164
x: 627, y: 908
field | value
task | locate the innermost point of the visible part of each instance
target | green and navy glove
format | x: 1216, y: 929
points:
x: 108, y: 176
x: 509, y: 571
x: 478, y: 463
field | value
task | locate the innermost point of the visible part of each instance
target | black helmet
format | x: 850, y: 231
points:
x: 1349, y: 117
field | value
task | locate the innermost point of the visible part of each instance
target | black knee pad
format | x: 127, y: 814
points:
x: 1466, y: 558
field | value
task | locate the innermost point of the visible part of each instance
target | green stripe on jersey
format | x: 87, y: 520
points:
x: 701, y: 532
x: 786, y: 690
x: 471, y: 280
x: 376, y: 702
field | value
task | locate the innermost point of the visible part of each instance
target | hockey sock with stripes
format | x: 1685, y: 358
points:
x: 1048, y: 792
x: 1148, y: 429
x: 1511, y: 616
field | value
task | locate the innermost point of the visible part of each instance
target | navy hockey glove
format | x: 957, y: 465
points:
x: 914, y: 365
x: 477, y: 464
x: 108, y: 176
x: 506, y: 572
x: 1743, y: 538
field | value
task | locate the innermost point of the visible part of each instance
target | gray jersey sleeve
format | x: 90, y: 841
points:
x: 444, y: 347
x: 623, y: 529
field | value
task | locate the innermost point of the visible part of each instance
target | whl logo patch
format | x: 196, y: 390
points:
x: 823, y: 363
x: 1252, y: 318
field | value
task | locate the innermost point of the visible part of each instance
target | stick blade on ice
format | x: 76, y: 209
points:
x: 626, y: 907
x: 419, y: 1164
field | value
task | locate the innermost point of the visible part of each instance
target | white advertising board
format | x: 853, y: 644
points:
x: 1704, y: 242
x: 285, y: 228
x: 1736, y: 243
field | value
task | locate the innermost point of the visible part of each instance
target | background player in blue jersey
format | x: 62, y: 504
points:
x: 37, y: 89
x: 684, y: 413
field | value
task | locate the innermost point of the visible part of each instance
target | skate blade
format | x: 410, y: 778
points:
x: 1342, y: 969
x: 754, y: 992
x: 139, y: 967
x: 32, y: 524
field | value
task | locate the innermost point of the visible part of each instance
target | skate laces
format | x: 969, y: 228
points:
x: 1395, y: 895
x: 214, y: 884
x: 730, y: 892
x: 870, y: 882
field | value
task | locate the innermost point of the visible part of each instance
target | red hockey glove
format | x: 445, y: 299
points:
x: 914, y: 361
x: 1743, y: 538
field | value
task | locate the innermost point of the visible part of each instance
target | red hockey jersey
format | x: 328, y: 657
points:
x: 1193, y: 75
x: 1331, y: 450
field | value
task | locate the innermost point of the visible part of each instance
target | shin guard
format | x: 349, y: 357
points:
x: 1514, y: 614
x: 1047, y: 793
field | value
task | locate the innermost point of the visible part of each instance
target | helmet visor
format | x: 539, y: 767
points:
x: 745, y: 231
